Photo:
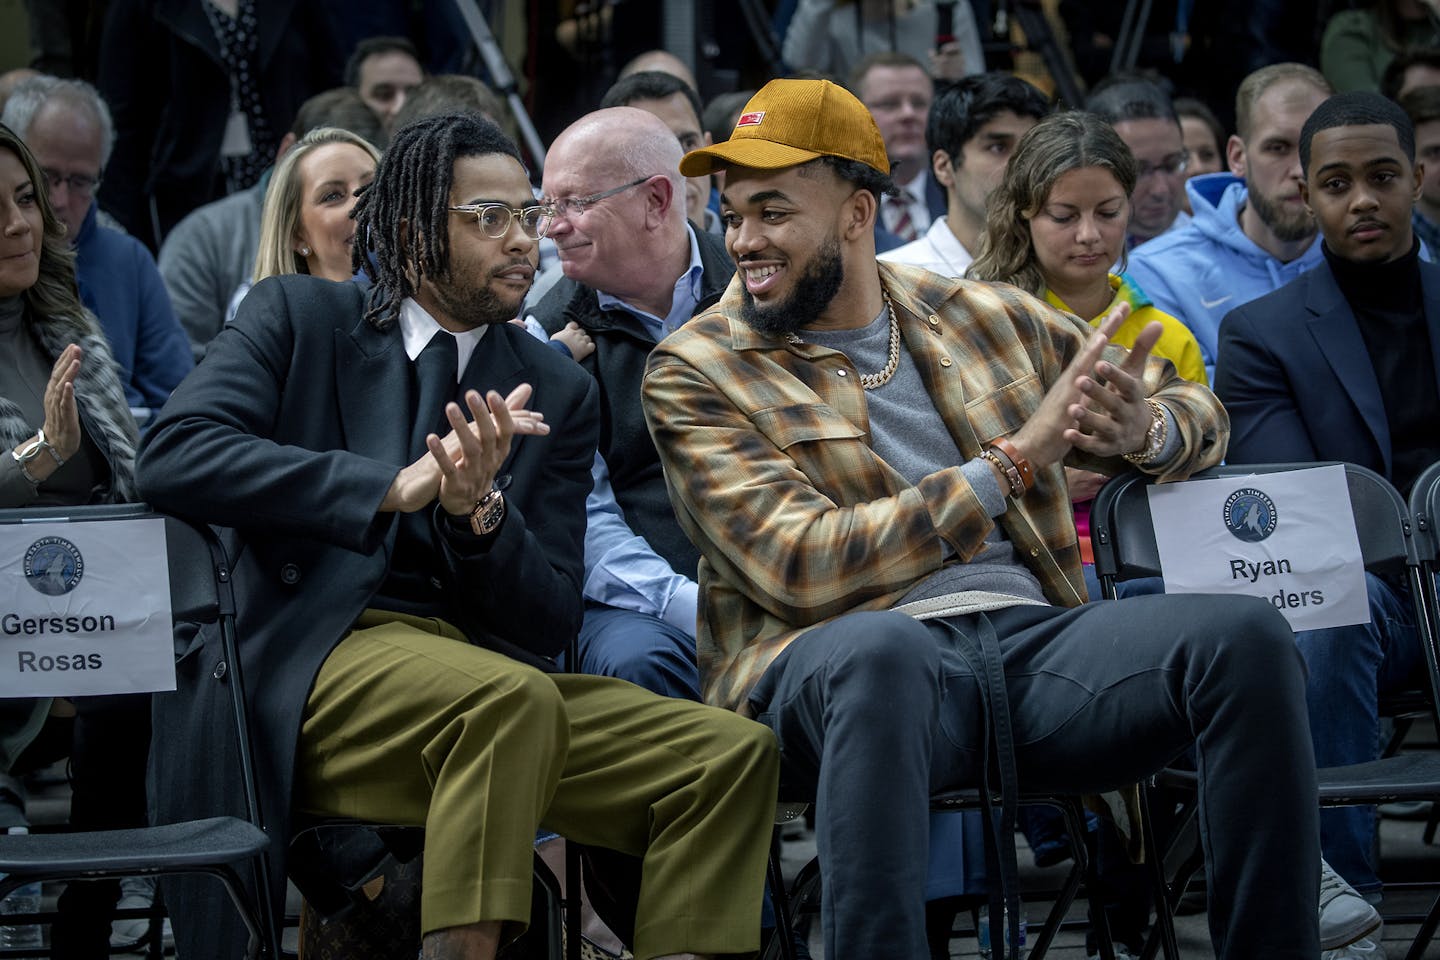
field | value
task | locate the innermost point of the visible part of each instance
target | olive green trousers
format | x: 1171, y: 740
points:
x: 408, y: 723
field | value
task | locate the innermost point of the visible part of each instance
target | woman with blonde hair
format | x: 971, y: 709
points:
x: 305, y: 225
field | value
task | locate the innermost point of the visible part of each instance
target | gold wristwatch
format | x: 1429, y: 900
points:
x: 489, y: 511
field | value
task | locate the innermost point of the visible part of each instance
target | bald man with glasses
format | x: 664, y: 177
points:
x: 634, y: 271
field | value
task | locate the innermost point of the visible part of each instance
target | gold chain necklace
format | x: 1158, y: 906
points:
x: 870, y: 381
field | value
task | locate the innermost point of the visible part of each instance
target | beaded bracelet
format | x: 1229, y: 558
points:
x: 1007, y: 469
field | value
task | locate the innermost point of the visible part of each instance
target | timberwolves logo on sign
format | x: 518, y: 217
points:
x: 53, y: 566
x: 1249, y: 515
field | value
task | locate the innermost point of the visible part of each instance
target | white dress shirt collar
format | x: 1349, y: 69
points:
x: 417, y: 328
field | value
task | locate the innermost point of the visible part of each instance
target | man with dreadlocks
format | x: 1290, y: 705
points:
x: 400, y: 594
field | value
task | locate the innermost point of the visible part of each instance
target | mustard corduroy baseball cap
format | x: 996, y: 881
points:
x: 790, y: 122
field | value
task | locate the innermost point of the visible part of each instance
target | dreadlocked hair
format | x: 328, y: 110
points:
x: 404, y: 213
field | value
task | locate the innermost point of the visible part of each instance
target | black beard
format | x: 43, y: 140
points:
x: 818, y: 284
x: 474, y: 305
x: 1286, y: 228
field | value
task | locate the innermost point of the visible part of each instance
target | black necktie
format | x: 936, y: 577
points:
x: 435, y: 386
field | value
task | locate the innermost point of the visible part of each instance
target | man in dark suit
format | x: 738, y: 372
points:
x: 399, y: 594
x: 1341, y: 364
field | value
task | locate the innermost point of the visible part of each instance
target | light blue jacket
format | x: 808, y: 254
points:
x: 1203, y: 270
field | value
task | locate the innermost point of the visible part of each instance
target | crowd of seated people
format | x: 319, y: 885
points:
x: 786, y: 407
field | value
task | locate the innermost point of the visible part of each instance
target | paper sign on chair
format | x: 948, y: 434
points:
x: 1286, y: 537
x: 85, y: 609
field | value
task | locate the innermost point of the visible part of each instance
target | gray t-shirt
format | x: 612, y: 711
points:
x: 907, y: 433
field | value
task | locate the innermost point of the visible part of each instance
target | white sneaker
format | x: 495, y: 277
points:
x: 1345, y: 916
x: 135, y: 893
x: 1366, y: 948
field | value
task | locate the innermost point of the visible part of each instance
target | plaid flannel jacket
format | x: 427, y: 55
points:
x: 767, y: 458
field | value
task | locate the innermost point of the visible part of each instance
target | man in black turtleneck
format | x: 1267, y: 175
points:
x: 1341, y: 364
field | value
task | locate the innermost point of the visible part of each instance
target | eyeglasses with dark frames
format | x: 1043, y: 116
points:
x: 81, y: 183
x: 1171, y: 166
x: 565, y: 206
x: 495, y: 219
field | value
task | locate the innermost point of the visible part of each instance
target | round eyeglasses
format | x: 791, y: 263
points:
x: 495, y: 219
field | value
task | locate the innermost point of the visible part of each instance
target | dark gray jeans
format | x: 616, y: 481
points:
x: 875, y: 710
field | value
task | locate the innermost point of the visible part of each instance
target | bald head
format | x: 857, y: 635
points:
x: 624, y: 165
x: 617, y: 143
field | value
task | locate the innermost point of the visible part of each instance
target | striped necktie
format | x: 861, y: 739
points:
x: 904, y: 227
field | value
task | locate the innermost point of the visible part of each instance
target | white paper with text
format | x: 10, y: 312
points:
x: 85, y: 609
x: 1286, y: 537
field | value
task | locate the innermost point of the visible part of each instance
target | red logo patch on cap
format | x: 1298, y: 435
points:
x: 750, y: 119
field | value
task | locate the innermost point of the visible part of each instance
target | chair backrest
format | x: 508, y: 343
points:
x: 1425, y: 512
x: 1123, y: 535
x: 199, y: 573
x: 200, y: 592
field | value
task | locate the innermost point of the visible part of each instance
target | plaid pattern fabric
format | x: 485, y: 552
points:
x: 766, y: 452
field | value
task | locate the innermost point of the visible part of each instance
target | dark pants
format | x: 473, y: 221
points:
x: 874, y: 711
x: 645, y: 650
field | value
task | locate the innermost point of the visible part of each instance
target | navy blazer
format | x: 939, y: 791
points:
x: 289, y: 434
x: 1295, y: 375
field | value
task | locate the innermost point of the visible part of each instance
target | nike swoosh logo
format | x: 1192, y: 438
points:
x: 1207, y: 304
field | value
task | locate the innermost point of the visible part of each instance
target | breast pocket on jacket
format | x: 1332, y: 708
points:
x: 1003, y: 411
x: 825, y: 446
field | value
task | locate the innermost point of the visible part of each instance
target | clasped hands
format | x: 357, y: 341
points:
x: 1095, y: 405
x: 459, y: 469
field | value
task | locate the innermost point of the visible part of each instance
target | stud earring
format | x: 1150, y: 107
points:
x: 304, y: 251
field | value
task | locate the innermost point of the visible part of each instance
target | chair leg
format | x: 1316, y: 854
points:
x: 547, y: 887
x: 1074, y: 816
x: 780, y: 901
x: 1426, y: 933
x: 1166, y: 898
x: 574, y: 901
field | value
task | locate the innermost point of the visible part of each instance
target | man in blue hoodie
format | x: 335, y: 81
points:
x: 67, y: 126
x: 1251, y: 233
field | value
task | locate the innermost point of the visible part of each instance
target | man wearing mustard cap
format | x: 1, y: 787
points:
x: 869, y: 458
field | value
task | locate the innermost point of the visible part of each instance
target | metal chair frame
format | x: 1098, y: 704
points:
x: 1125, y: 549
x: 216, y: 846
x: 803, y: 895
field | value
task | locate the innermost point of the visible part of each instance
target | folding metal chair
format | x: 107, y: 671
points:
x: 803, y: 894
x: 1123, y: 536
x: 316, y: 849
x: 222, y: 847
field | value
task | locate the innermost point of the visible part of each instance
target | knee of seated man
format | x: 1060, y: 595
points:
x: 523, y: 693
x: 883, y: 647
x: 1251, y: 630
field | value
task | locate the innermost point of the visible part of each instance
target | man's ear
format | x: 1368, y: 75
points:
x: 943, y: 167
x: 857, y: 215
x: 1235, y: 155
x: 660, y: 194
x: 1419, y: 181
x: 1305, y: 195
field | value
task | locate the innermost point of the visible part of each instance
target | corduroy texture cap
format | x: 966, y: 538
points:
x: 790, y: 122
